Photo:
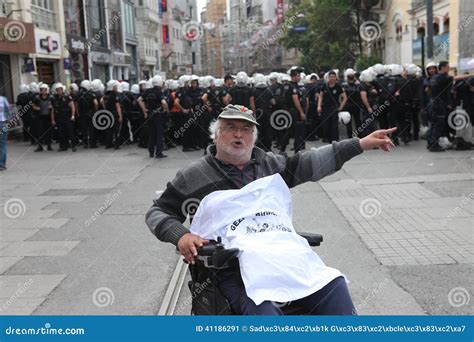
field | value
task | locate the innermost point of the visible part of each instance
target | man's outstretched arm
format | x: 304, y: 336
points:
x: 320, y: 162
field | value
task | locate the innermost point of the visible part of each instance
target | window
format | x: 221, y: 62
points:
x: 446, y: 25
x: 43, y: 14
x: 73, y: 17
x: 114, y: 25
x: 166, y: 34
x: 420, y: 32
x: 129, y: 18
x: 96, y: 22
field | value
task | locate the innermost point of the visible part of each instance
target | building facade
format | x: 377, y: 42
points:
x: 148, y: 23
x: 213, y: 19
x: 33, y: 44
x: 404, y: 33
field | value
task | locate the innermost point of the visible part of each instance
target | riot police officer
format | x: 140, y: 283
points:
x: 241, y: 94
x: 136, y: 116
x: 353, y: 105
x: 442, y: 103
x: 87, y: 105
x: 63, y: 115
x: 329, y: 105
x: 124, y: 89
x: 399, y: 103
x: 313, y: 130
x: 380, y: 84
x: 184, y: 102
x: 153, y: 105
x: 368, y: 96
x: 42, y: 107
x: 111, y: 102
x: 198, y: 127
x: 296, y: 106
x: 263, y: 103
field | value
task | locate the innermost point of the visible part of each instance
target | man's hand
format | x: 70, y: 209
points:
x: 378, y: 138
x: 188, y: 244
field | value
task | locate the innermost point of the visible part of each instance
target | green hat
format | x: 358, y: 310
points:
x: 237, y: 112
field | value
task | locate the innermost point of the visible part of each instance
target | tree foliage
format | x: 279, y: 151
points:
x: 332, y: 38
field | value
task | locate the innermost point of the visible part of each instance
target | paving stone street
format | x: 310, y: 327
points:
x: 73, y: 239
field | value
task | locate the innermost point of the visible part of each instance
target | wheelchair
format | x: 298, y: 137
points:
x: 212, y: 259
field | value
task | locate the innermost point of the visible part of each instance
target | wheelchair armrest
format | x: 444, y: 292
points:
x: 215, y: 255
x: 207, y: 250
x: 313, y: 239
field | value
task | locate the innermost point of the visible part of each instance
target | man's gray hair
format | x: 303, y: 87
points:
x: 214, y: 130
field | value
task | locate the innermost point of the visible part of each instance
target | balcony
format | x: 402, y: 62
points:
x: 145, y: 14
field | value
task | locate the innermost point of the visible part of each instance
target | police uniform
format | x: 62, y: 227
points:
x: 368, y: 120
x: 441, y: 85
x: 241, y: 95
x: 407, y: 100
x: 43, y: 121
x: 111, y: 98
x: 62, y: 115
x: 124, y: 127
x: 465, y: 98
x: 136, y: 118
x: 214, y: 96
x: 279, y: 94
x: 353, y: 105
x: 313, y: 131
x: 263, y: 97
x: 153, y: 98
x: 396, y: 110
x: 187, y: 103
x: 330, y: 107
x: 380, y: 85
x: 86, y: 109
x: 197, y: 119
x: 297, y: 127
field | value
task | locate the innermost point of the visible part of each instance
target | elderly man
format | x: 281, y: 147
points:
x: 234, y: 162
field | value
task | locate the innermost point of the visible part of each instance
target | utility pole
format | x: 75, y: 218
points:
x: 429, y: 26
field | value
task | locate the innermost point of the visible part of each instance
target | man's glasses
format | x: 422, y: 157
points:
x: 233, y: 129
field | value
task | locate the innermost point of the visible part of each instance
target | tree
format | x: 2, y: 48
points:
x: 332, y: 37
